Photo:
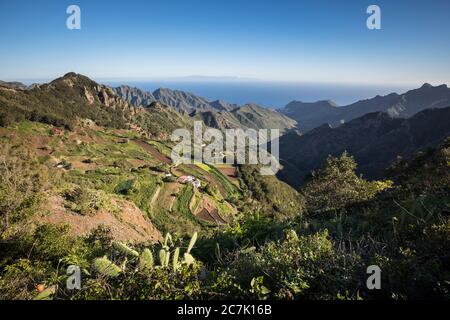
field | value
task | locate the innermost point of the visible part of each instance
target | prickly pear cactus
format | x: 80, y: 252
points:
x: 125, y: 250
x: 146, y: 260
x: 106, y: 267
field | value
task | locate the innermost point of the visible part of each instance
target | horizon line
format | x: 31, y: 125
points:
x: 224, y: 79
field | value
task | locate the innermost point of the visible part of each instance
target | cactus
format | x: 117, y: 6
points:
x: 146, y: 260
x: 168, y: 239
x: 192, y: 242
x: 175, y: 259
x: 125, y: 250
x: 188, y: 259
x: 106, y: 267
x: 167, y: 259
x: 162, y: 257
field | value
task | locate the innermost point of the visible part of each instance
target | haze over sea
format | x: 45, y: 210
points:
x: 267, y: 94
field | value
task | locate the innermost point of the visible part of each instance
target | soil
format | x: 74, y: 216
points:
x: 131, y: 227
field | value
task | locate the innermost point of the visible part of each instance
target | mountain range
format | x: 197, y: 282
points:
x: 374, y: 131
x: 310, y: 115
x: 375, y: 140
x: 217, y: 114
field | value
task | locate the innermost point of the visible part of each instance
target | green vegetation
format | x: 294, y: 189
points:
x: 274, y: 198
x: 59, y: 103
x: 87, y: 201
x: 21, y: 180
x: 320, y: 253
x: 337, y: 185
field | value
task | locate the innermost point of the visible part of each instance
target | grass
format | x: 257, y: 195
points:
x: 146, y: 187
x: 183, y: 199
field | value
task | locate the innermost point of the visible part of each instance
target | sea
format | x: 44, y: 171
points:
x: 268, y: 94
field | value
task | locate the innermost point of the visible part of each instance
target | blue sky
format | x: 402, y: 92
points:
x: 305, y: 41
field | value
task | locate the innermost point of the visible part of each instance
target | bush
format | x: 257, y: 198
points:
x: 297, y: 267
x: 21, y: 180
x: 337, y: 185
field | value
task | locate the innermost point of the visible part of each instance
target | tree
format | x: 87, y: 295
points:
x: 337, y: 185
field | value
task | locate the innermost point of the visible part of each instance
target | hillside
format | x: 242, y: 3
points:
x: 63, y: 101
x: 74, y: 97
x: 375, y: 140
x: 314, y: 114
x: 117, y: 178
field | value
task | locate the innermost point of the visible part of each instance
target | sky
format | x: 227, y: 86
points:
x: 293, y: 41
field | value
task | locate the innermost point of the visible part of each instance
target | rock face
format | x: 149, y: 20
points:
x: 311, y: 115
x: 135, y: 96
x: 91, y: 91
x: 184, y: 102
x: 375, y: 140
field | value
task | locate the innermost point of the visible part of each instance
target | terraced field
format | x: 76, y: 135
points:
x: 122, y: 165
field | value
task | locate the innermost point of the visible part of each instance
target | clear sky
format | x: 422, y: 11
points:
x: 312, y: 41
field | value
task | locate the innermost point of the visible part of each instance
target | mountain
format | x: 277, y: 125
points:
x: 13, y: 85
x: 375, y: 140
x: 256, y: 117
x: 74, y: 97
x: 182, y: 101
x: 159, y: 121
x: 311, y: 115
x: 217, y: 114
x: 249, y: 116
x: 64, y: 101
x: 134, y: 96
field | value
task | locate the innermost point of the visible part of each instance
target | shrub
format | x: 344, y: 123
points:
x: 337, y: 185
x: 21, y: 180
